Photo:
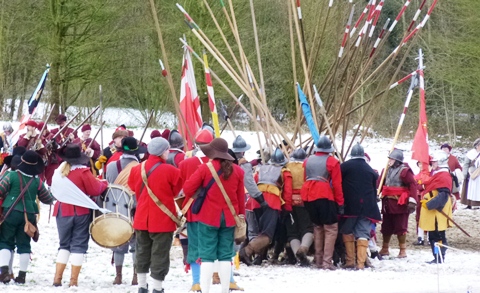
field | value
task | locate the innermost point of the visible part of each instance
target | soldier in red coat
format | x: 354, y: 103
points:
x: 67, y: 133
x: 153, y: 227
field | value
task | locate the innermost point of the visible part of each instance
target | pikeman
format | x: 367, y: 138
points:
x: 88, y: 145
x: 275, y: 183
x: 67, y: 133
x: 399, y: 199
x: 176, y: 154
x: 300, y: 228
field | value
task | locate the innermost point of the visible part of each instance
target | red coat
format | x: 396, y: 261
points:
x: 84, y: 145
x: 187, y: 168
x: 24, y: 143
x: 453, y: 163
x: 214, y: 204
x: 165, y: 182
x: 115, y: 157
x: 86, y: 182
x: 61, y: 137
x: 273, y: 200
x: 313, y: 190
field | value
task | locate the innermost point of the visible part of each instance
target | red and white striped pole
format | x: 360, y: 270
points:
x: 347, y: 30
x: 360, y: 19
x: 380, y: 37
x: 417, y: 14
x: 397, y: 19
x: 378, y: 10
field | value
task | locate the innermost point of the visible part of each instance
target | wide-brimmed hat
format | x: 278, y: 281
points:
x: 130, y: 146
x: 17, y: 152
x: 217, y: 149
x: 31, y: 163
x: 74, y: 155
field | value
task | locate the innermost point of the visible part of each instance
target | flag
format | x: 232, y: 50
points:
x: 420, y: 142
x: 37, y: 94
x: 189, y: 102
x: 307, y: 112
x: 211, y: 97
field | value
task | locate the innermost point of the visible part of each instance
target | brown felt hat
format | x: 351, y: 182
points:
x: 217, y: 149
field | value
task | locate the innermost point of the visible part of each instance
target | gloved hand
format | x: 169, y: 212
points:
x: 261, y: 200
x: 424, y: 203
x: 99, y: 163
x: 411, y: 207
x: 340, y: 209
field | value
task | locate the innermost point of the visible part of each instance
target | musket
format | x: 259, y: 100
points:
x: 79, y: 125
x: 96, y: 134
x: 44, y: 125
x: 52, y: 140
x: 146, y: 126
x: 451, y: 220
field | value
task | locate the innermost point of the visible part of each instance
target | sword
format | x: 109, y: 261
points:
x: 450, y: 219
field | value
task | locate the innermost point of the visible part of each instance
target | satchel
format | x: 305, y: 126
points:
x: 29, y: 229
x: 240, y: 233
x: 475, y: 173
x: 201, y: 194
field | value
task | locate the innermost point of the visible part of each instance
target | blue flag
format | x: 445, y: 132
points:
x: 37, y: 94
x: 307, y: 112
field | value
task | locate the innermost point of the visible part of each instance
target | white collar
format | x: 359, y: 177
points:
x: 74, y: 167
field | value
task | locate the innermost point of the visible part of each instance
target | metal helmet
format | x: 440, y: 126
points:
x: 278, y: 157
x: 209, y: 128
x: 8, y: 127
x: 203, y: 136
x: 240, y: 145
x: 396, y: 154
x: 324, y: 145
x: 441, y: 157
x: 299, y: 155
x: 175, y: 139
x: 357, y: 151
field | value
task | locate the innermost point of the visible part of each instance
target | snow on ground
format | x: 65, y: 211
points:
x: 460, y: 273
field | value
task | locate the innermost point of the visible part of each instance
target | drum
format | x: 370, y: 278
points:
x: 114, y: 229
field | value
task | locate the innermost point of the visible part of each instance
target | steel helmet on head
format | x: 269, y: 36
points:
x: 278, y: 157
x: 357, y: 151
x: 299, y: 155
x: 397, y: 155
x: 175, y: 139
x: 209, y: 128
x: 324, y: 145
x: 240, y: 145
x: 440, y: 157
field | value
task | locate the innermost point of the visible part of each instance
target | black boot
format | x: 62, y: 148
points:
x: 375, y: 254
x: 4, y: 275
x: 20, y: 279
x: 419, y: 242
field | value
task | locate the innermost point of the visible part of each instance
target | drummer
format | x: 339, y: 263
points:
x: 117, y: 173
x: 72, y: 220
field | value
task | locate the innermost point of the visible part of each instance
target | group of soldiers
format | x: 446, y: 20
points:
x: 298, y: 202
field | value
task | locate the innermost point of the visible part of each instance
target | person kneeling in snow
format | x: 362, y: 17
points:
x: 436, y: 199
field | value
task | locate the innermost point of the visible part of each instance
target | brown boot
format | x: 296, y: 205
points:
x: 318, y: 240
x: 386, y: 240
x: 362, y: 245
x: 349, y: 241
x: 302, y: 256
x: 74, y: 277
x: 118, y: 277
x: 402, y: 241
x: 331, y: 232
x: 60, y: 268
x: 134, y: 279
x: 215, y: 279
x: 245, y: 254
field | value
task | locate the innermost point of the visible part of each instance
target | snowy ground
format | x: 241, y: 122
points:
x: 460, y: 273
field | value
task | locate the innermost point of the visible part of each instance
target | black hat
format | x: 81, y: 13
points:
x: 74, y: 155
x: 31, y: 163
x: 130, y: 146
x: 17, y: 151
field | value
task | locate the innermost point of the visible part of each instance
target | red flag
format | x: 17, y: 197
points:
x: 189, y: 102
x: 420, y: 142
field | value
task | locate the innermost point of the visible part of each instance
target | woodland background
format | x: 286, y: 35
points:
x: 114, y: 43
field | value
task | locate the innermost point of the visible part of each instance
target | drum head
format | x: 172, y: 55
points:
x: 111, y: 230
